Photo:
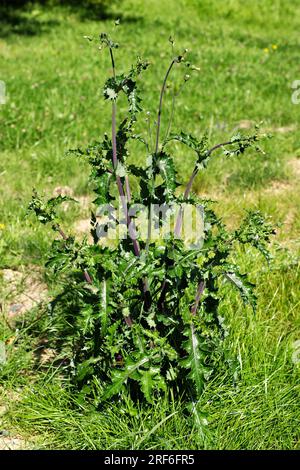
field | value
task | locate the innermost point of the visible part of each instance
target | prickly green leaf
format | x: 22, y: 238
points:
x: 194, y: 362
x: 102, y: 190
x: 199, y: 146
x: 163, y: 164
x: 45, y: 211
x: 256, y: 231
x: 119, y: 377
x: 86, y: 368
x: 105, y: 40
x: 244, y: 286
x: 151, y: 380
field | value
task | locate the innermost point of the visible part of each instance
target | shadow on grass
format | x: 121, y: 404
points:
x: 23, y: 17
x: 15, y: 21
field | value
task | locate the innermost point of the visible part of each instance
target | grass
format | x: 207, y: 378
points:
x: 262, y: 419
x: 247, y: 65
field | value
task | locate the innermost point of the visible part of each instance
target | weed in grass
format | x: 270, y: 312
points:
x: 157, y: 328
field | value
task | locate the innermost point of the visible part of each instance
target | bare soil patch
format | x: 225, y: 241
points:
x: 22, y: 291
x: 295, y: 166
x: 12, y: 443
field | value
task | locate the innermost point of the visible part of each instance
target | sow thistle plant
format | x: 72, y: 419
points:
x: 139, y: 317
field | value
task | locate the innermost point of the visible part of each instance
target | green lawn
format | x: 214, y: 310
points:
x: 248, y: 55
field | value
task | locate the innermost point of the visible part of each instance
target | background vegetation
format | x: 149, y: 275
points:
x: 248, y: 59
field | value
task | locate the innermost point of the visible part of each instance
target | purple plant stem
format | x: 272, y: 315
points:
x: 129, y: 220
x: 87, y: 277
x: 61, y: 232
x: 162, y: 296
x: 188, y: 188
x: 128, y: 321
x: 160, y: 104
x: 200, y: 290
x: 196, y: 169
x: 127, y: 186
x: 146, y: 289
x: 162, y: 91
x: 178, y: 226
x: 136, y: 247
x: 187, y: 191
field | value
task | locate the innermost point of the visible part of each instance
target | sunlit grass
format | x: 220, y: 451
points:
x: 54, y: 80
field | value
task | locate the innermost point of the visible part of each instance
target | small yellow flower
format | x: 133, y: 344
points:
x: 266, y: 50
x: 2, y: 226
x: 274, y: 47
